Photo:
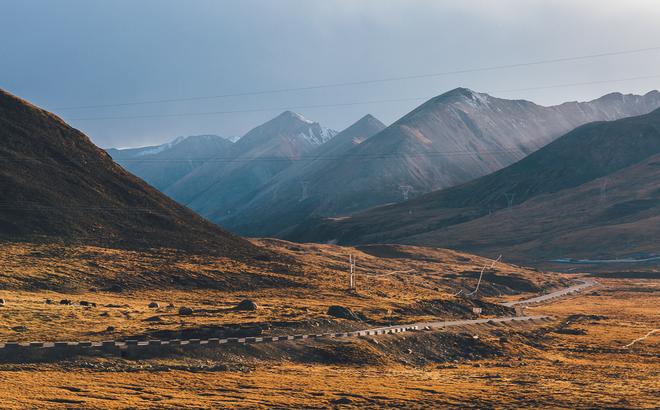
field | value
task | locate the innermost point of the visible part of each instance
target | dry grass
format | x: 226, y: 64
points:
x: 576, y: 364
x: 303, y: 294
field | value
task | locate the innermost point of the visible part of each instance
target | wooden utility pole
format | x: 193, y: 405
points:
x: 351, y: 275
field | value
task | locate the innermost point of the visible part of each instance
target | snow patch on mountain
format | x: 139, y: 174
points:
x: 160, y: 148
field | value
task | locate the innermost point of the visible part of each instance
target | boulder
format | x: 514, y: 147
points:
x: 154, y: 305
x: 154, y: 319
x: 185, y: 311
x: 86, y: 303
x: 2, y: 302
x: 342, y: 313
x: 65, y: 302
x: 247, y: 304
x: 342, y: 400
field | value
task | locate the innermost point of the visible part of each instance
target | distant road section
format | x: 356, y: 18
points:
x: 586, y: 283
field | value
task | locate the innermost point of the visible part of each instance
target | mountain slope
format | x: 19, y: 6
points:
x: 56, y: 185
x: 563, y: 198
x: 299, y: 190
x: 218, y: 186
x: 459, y: 136
x: 164, y: 165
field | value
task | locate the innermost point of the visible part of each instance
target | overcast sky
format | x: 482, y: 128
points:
x: 89, y: 52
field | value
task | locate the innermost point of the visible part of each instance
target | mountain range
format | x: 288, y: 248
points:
x: 451, y: 139
x: 594, y: 192
x: 298, y: 190
x: 290, y: 169
x: 163, y: 165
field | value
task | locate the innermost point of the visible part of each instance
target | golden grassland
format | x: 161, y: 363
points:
x: 543, y: 367
x: 575, y: 361
x: 301, y: 294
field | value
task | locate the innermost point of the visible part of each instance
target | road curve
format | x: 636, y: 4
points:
x: 585, y: 283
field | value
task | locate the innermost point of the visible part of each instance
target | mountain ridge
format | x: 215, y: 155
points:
x: 218, y: 187
x: 57, y: 185
x: 504, y: 211
x: 293, y: 190
x: 448, y: 140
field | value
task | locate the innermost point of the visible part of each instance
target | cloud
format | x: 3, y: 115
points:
x: 76, y: 52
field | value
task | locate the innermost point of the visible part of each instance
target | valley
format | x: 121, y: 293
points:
x: 338, y: 204
x: 579, y: 355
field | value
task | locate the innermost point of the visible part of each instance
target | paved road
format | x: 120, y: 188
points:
x: 128, y: 344
x: 585, y: 283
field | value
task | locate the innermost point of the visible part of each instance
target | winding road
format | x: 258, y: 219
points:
x: 585, y: 283
x: 111, y: 345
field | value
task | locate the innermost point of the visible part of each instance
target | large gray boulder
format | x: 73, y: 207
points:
x: 185, y: 311
x: 342, y: 313
x: 247, y: 304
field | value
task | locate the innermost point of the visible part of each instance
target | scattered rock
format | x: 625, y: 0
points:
x: 154, y: 305
x: 246, y: 304
x: 49, y: 301
x: 171, y: 305
x: 569, y: 331
x: 154, y: 319
x: 19, y: 328
x: 409, y: 351
x: 2, y: 302
x: 65, y: 302
x: 105, y: 314
x: 343, y: 400
x: 185, y: 311
x: 86, y: 303
x: 342, y: 312
x: 115, y: 288
x: 110, y: 329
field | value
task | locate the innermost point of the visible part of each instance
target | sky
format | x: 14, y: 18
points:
x: 72, y: 53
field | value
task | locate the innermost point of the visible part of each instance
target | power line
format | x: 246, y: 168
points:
x: 190, y: 114
x: 372, y: 81
x: 302, y: 158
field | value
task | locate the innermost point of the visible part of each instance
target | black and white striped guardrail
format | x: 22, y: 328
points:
x: 134, y: 344
x: 111, y: 345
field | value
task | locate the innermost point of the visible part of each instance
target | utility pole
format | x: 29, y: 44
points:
x: 603, y: 189
x: 509, y: 198
x: 304, y: 185
x: 351, y: 275
x: 481, y: 275
x: 405, y: 191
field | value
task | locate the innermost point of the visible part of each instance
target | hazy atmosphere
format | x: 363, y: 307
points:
x: 165, y: 49
x: 341, y: 204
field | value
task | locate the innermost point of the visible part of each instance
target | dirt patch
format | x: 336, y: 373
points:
x: 393, y: 252
x: 343, y: 353
x: 512, y: 282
